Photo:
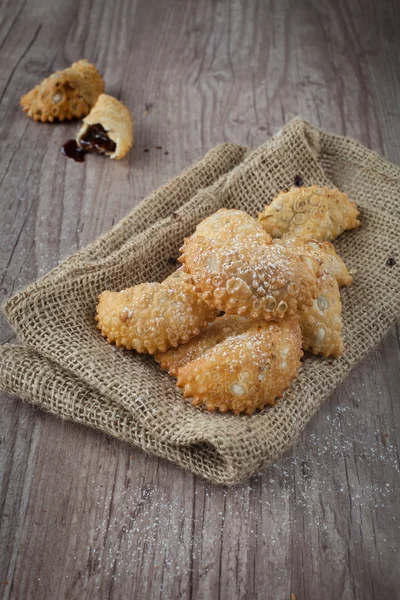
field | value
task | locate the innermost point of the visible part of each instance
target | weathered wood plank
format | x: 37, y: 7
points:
x: 84, y: 516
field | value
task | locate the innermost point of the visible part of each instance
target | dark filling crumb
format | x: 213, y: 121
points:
x: 298, y: 182
x: 95, y: 139
x: 72, y: 150
x: 391, y: 261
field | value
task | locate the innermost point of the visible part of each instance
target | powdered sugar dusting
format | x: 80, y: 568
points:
x: 317, y: 502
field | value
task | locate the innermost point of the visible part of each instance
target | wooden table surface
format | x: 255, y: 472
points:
x: 85, y: 516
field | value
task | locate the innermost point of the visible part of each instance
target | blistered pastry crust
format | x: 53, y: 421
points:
x: 314, y: 212
x: 152, y: 317
x: 247, y: 371
x: 66, y: 94
x: 252, y: 280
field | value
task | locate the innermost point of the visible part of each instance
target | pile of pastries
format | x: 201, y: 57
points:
x: 232, y: 322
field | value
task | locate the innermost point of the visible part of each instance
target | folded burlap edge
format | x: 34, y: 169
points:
x: 175, y: 193
x: 87, y: 404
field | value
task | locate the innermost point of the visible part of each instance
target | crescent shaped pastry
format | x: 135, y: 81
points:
x: 252, y: 280
x: 151, y: 317
x: 247, y: 371
x: 314, y: 212
x: 67, y: 94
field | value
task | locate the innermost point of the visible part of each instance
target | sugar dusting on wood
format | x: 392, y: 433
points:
x: 304, y: 501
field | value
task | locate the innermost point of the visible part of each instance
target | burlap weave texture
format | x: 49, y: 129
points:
x: 64, y: 366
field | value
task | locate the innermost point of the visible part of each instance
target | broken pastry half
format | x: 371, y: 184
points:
x: 107, y: 129
x: 67, y: 94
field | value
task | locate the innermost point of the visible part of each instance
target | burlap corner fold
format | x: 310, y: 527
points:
x: 64, y: 366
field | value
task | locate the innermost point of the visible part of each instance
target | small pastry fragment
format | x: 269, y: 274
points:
x: 107, y: 129
x: 151, y: 317
x: 216, y: 332
x: 247, y: 371
x: 228, y: 224
x: 252, y: 280
x: 314, y: 212
x: 67, y: 94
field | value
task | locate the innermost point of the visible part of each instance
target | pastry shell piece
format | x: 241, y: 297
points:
x: 152, y: 317
x: 247, y: 371
x: 313, y: 212
x: 66, y: 94
x: 321, y: 323
x: 116, y: 119
x: 260, y: 281
x: 323, y: 251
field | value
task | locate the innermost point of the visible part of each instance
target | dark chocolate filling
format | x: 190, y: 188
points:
x: 72, y: 150
x: 95, y: 139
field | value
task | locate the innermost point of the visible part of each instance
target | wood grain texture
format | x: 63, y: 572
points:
x: 85, y: 516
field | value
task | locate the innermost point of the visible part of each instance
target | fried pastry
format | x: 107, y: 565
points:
x: 247, y: 371
x: 326, y: 254
x: 257, y: 281
x: 151, y: 317
x: 228, y: 224
x: 314, y: 212
x: 216, y: 332
x: 65, y: 94
x: 107, y: 129
x: 321, y: 323
x: 332, y: 261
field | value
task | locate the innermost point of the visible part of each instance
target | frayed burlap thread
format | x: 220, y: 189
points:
x: 65, y: 367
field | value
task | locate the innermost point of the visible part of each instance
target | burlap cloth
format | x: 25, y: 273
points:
x: 64, y: 366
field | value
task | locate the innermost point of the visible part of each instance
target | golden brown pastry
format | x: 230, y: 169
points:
x: 151, y: 317
x: 332, y: 261
x: 324, y: 252
x: 247, y: 371
x: 228, y: 224
x: 67, y: 94
x: 252, y: 280
x: 314, y: 212
x: 321, y: 323
x: 107, y: 129
x: 216, y: 332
